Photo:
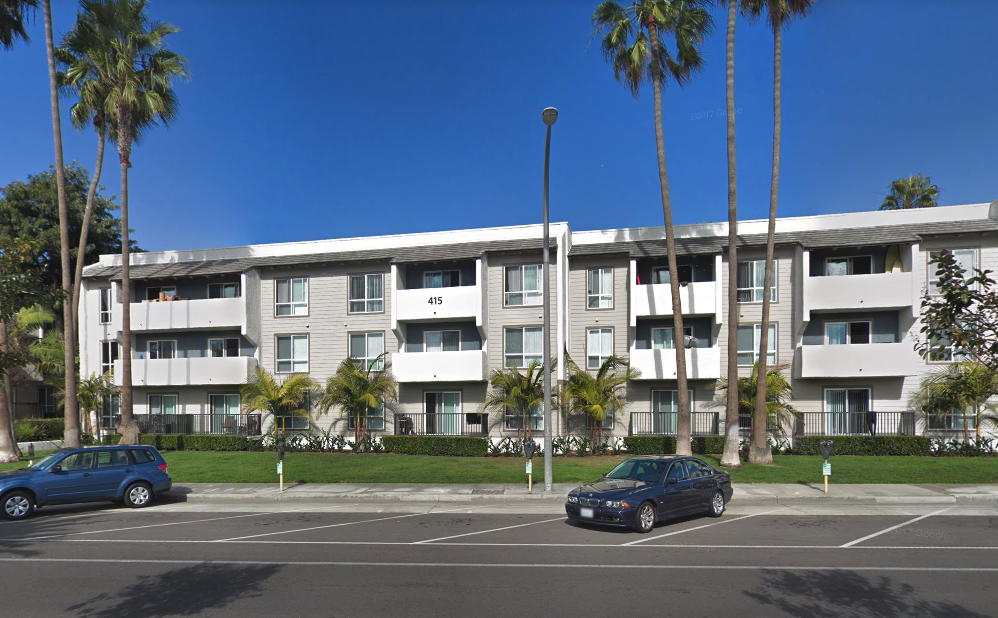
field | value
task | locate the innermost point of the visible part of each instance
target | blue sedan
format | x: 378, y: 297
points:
x: 643, y: 490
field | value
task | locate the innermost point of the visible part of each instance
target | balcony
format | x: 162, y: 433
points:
x: 699, y: 298
x: 871, y: 360
x: 701, y: 363
x: 441, y: 424
x: 188, y: 371
x: 866, y: 292
x: 455, y: 303
x: 466, y: 366
x: 208, y: 313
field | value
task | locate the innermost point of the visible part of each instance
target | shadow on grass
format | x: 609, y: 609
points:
x: 188, y: 591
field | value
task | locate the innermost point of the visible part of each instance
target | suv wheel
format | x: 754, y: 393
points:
x: 138, y: 495
x: 18, y: 505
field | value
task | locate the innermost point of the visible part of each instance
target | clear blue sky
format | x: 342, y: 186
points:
x: 308, y: 120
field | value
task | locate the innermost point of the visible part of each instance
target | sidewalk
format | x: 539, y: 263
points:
x: 757, y: 494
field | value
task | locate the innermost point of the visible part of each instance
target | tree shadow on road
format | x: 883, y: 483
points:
x: 848, y: 594
x: 188, y: 591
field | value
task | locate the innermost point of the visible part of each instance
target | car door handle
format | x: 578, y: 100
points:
x: 87, y: 474
x: 129, y: 471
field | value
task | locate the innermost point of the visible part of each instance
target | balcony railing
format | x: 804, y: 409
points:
x: 463, y: 366
x: 867, y: 292
x: 701, y: 363
x: 204, y: 313
x: 655, y: 299
x: 36, y: 410
x: 192, y: 424
x: 206, y: 371
x: 856, y: 424
x: 441, y: 424
x: 667, y: 423
x: 870, y: 360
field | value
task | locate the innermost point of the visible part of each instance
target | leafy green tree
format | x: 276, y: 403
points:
x: 634, y: 44
x: 780, y: 412
x: 266, y: 394
x: 136, y: 72
x: 358, y: 390
x: 519, y: 394
x: 911, y: 192
x: 779, y: 15
x: 964, y: 387
x: 93, y: 391
x: 600, y: 394
x: 13, y: 14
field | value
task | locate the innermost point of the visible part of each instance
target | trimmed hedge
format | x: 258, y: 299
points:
x: 39, y: 429
x: 436, y: 445
x: 865, y: 445
x: 181, y: 442
x: 708, y: 445
x: 650, y: 445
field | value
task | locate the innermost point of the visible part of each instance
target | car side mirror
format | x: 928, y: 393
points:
x: 55, y: 468
x: 671, y: 480
x: 605, y: 474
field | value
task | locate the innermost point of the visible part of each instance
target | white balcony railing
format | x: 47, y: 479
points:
x: 880, y: 291
x: 460, y: 302
x: 701, y: 363
x: 699, y: 298
x: 207, y: 313
x: 188, y: 371
x: 871, y: 360
x: 465, y: 366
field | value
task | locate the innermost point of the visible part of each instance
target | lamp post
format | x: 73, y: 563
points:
x: 549, y: 115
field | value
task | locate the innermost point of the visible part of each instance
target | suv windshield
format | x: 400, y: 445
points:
x: 47, y: 461
x: 639, y: 470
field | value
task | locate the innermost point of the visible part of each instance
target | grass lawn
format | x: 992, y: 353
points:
x: 208, y: 467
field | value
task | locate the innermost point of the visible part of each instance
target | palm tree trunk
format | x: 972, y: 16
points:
x: 730, y: 457
x: 760, y: 453
x: 84, y: 232
x: 683, y: 429
x: 71, y: 437
x: 8, y: 441
x: 127, y: 427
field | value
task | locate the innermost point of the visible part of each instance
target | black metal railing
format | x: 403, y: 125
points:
x: 196, y: 424
x: 856, y: 424
x: 441, y: 424
x: 36, y: 410
x: 666, y: 423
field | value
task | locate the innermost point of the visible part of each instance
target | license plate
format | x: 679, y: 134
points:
x: 584, y: 512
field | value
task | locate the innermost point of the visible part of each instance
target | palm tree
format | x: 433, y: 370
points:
x: 911, y: 192
x: 779, y: 15
x: 71, y: 437
x: 358, y: 390
x: 12, y: 16
x: 265, y: 394
x: 93, y: 391
x: 780, y: 412
x: 963, y: 386
x: 598, y: 395
x: 517, y: 393
x: 135, y: 72
x: 632, y: 46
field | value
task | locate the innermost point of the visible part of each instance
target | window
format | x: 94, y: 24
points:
x: 852, y: 265
x: 108, y: 354
x: 442, y: 279
x: 165, y: 292
x: 224, y: 410
x: 367, y: 294
x: 953, y: 420
x: 524, y: 345
x: 606, y: 424
x: 442, y: 341
x: 966, y: 258
x: 677, y: 472
x: 292, y: 297
x: 665, y: 338
x: 223, y: 290
x: 219, y: 348
x: 112, y: 459
x: 105, y: 305
x: 78, y: 461
x: 665, y: 411
x: 524, y: 285
x: 942, y: 351
x: 748, y: 345
x: 847, y: 333
x: 535, y: 419
x: 110, y: 412
x: 292, y: 354
x: 845, y: 410
x: 751, y: 278
x: 697, y: 469
x: 443, y: 413
x: 290, y: 421
x: 162, y: 349
x: 374, y: 419
x: 599, y: 346
x: 661, y: 274
x: 600, y: 288
x: 47, y: 401
x: 367, y: 348
x: 163, y: 404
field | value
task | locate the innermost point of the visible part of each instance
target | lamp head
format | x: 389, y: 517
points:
x: 550, y: 115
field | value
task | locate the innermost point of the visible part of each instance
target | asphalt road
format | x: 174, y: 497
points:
x: 357, y: 560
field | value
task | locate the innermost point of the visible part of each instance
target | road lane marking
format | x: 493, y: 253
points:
x: 486, y: 565
x: 892, y: 528
x: 349, y: 523
x: 444, y: 538
x: 716, y: 523
x: 173, y: 523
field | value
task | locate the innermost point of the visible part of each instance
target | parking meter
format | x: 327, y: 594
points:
x: 528, y: 448
x: 280, y: 462
x: 31, y: 454
x: 280, y: 451
x: 825, y: 446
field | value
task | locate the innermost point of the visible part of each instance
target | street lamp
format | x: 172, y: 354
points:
x: 550, y: 116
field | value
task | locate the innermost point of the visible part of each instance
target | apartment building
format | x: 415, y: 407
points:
x: 450, y: 307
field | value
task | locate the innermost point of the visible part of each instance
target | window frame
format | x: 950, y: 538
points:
x: 773, y: 294
x: 239, y: 350
x: 849, y: 267
x: 104, y: 311
x: 672, y: 427
x: 679, y: 267
x: 366, y: 300
x: 149, y: 345
x: 368, y: 359
x: 460, y: 343
x: 290, y: 303
x: 114, y: 352
x: 379, y: 414
x: 441, y: 272
x: 954, y: 354
x: 523, y: 354
x: 535, y: 295
x: 687, y: 332
x: 514, y: 422
x: 756, y: 336
x: 600, y: 295
x: 931, y: 279
x: 952, y: 420
x: 222, y: 286
x: 278, y: 360
x: 159, y: 290
x: 457, y: 420
x: 600, y: 357
x: 176, y: 407
x: 848, y: 324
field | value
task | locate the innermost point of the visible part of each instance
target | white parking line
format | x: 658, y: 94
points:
x: 902, y: 525
x: 349, y: 523
x: 173, y: 523
x: 716, y: 523
x: 444, y: 538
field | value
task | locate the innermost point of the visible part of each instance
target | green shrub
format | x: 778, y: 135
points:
x: 708, y: 445
x: 650, y: 445
x: 180, y: 442
x: 436, y: 445
x: 865, y: 445
x: 39, y: 429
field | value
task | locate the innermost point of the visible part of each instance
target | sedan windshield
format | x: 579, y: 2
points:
x: 639, y: 470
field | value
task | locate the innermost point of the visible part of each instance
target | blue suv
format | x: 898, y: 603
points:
x: 129, y: 474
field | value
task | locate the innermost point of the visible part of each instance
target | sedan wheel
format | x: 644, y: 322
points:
x: 646, y: 518
x: 138, y: 495
x: 17, y: 505
x: 716, y: 507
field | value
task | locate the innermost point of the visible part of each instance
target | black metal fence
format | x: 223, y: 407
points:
x: 810, y: 424
x: 193, y: 424
x: 441, y: 424
x: 36, y: 410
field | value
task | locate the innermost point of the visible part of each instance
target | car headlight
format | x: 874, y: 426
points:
x: 573, y: 499
x: 615, y: 504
